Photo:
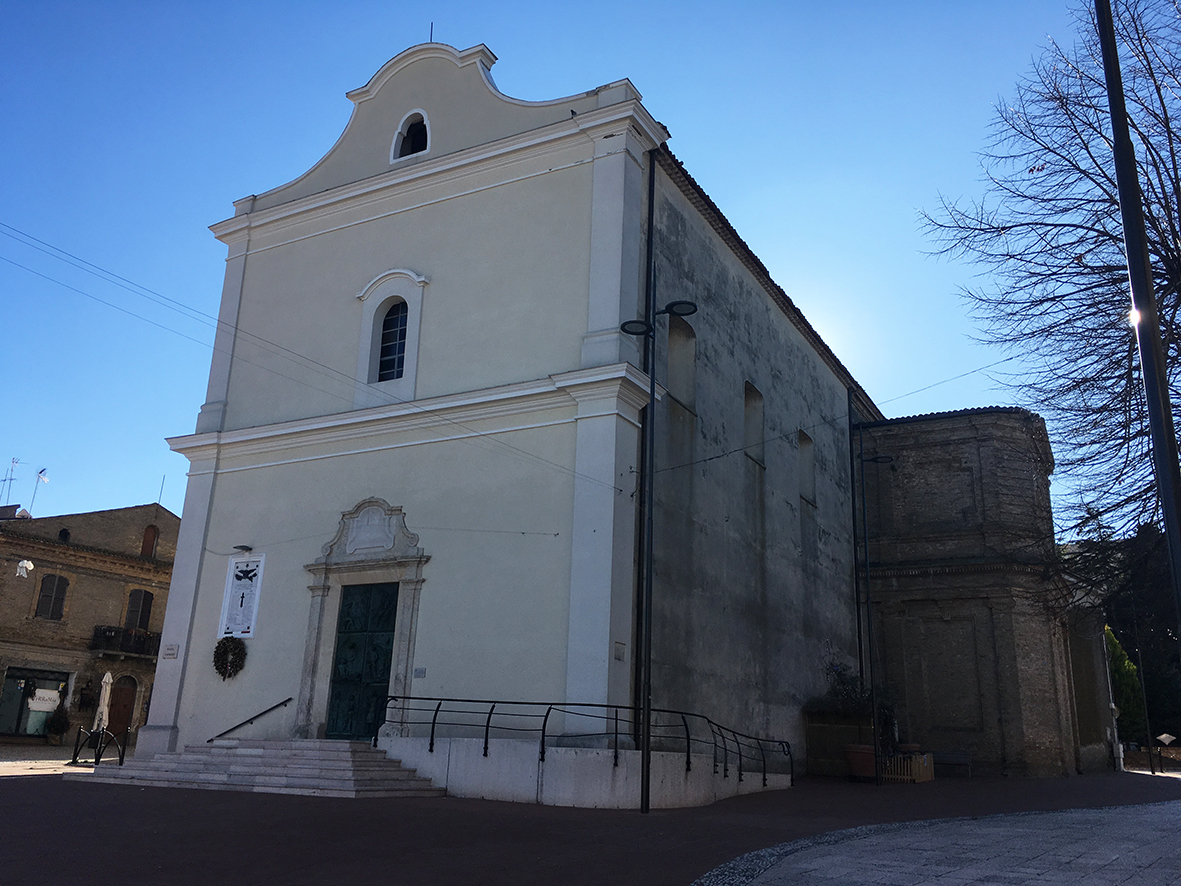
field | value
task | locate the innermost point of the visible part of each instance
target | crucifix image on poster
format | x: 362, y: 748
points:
x: 239, y: 609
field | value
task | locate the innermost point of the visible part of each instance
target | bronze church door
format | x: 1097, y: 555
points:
x: 361, y: 665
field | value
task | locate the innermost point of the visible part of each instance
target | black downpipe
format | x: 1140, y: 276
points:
x: 856, y: 565
x: 648, y: 358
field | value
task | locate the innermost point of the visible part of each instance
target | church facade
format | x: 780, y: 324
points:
x: 418, y: 470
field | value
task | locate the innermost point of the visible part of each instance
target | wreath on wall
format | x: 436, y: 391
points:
x: 229, y: 656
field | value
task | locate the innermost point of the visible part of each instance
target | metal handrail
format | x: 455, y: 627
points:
x: 250, y: 720
x: 438, y: 708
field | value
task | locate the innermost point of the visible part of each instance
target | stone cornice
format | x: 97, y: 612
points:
x: 82, y: 557
x: 458, y: 411
x: 952, y: 569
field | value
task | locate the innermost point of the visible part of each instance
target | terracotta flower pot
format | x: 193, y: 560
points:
x: 860, y: 758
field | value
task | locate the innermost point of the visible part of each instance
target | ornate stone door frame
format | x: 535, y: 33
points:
x: 372, y: 545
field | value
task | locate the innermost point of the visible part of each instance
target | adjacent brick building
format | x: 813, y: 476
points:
x: 978, y: 647
x: 91, y: 602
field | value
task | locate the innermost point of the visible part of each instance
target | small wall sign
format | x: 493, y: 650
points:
x: 239, y: 609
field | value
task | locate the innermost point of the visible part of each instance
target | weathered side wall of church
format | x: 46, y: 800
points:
x: 753, y: 570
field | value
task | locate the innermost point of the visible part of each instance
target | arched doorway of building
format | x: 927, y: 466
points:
x: 122, y: 710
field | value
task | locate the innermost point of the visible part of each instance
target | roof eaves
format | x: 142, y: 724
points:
x: 709, y: 210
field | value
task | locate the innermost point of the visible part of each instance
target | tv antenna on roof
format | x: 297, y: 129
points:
x: 41, y: 478
x: 432, y: 37
x: 8, y: 478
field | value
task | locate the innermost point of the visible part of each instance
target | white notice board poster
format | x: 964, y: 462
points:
x: 239, y: 610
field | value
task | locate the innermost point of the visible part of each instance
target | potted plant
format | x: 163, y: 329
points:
x: 840, y: 724
x: 57, y: 725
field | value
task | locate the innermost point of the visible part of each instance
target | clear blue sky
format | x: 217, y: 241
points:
x: 128, y: 128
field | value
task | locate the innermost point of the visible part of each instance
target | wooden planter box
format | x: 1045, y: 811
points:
x: 825, y: 737
x: 908, y: 768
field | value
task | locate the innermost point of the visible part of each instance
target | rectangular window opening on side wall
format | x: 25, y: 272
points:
x: 753, y: 426
x: 807, y: 469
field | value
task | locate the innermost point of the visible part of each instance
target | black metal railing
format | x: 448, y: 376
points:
x: 99, y: 740
x: 134, y: 641
x: 252, y: 718
x: 590, y: 725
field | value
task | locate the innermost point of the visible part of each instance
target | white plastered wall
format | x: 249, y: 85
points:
x: 531, y: 246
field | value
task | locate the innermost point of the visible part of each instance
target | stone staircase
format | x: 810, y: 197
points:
x: 315, y: 767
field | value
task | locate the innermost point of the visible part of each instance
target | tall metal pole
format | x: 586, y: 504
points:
x: 1152, y: 358
x: 649, y: 504
x: 646, y: 649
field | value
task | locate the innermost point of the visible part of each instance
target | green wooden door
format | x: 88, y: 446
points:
x: 361, y: 665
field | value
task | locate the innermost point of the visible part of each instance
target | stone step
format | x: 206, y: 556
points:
x: 295, y: 758
x: 336, y: 753
x: 308, y: 767
x: 250, y: 778
x: 302, y: 766
x: 182, y: 770
x: 375, y: 793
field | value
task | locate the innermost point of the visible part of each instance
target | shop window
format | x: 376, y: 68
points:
x: 53, y: 597
x: 28, y: 699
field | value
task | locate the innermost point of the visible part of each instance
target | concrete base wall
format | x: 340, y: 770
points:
x: 584, y: 777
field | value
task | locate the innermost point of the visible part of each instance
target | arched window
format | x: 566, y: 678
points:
x: 682, y: 362
x: 414, y: 136
x: 151, y: 535
x: 391, y: 315
x: 139, y: 610
x: 391, y: 356
x: 52, y: 600
x: 63, y: 535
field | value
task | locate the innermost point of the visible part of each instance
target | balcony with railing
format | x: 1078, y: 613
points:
x: 113, y: 640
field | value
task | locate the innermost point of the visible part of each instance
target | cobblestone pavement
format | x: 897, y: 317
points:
x: 1105, y: 847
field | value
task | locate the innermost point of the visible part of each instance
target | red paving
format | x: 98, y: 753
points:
x: 51, y: 829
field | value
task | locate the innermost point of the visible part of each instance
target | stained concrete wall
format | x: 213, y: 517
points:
x: 753, y: 559
x: 973, y: 652
x: 584, y: 777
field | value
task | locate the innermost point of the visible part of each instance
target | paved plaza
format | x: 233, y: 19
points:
x: 1109, y: 829
x: 1084, y: 847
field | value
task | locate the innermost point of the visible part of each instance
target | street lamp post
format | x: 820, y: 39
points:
x: 647, y: 329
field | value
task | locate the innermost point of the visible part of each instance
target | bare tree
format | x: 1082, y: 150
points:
x: 1048, y: 232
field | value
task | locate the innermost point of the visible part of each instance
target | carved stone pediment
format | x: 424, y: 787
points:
x: 374, y: 530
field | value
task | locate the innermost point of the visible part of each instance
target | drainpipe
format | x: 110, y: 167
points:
x: 856, y: 567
